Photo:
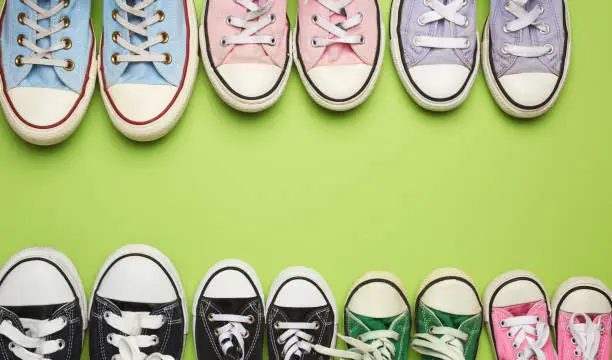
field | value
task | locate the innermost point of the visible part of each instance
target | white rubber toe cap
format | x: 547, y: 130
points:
x: 586, y: 301
x: 439, y: 81
x: 452, y: 296
x: 340, y: 82
x: 51, y: 105
x: 518, y: 292
x: 137, y: 279
x: 35, y: 282
x: 377, y: 299
x: 141, y: 102
x: 250, y: 80
x: 529, y: 89
x: 299, y: 293
x: 229, y: 283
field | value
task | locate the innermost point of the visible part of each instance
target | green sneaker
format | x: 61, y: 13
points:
x: 448, y: 316
x: 377, y: 319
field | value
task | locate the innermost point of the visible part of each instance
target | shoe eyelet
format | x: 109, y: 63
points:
x: 114, y: 60
x: 272, y: 18
x: 416, y: 42
x: 546, y: 29
x: 216, y: 332
x: 505, y: 28
x: 273, y: 41
x: 61, y: 343
x: 161, y: 15
x: 164, y: 319
x: 116, y: 35
x: 67, y: 43
x: 420, y: 21
x: 541, y: 8
x: 315, y: 18
x: 168, y: 60
x: 314, y: 42
x: 276, y: 325
x: 538, y: 319
x: 550, y: 48
x: 165, y: 37
x: 466, y: 23
x: 467, y: 44
x: 69, y: 65
x: 514, y: 346
x: 251, y: 319
x: 20, y: 39
x: 66, y: 21
x: 64, y: 319
x: 426, y: 2
x: 246, y: 335
x: 573, y: 341
x: 12, y: 346
x: 21, y: 18
x: 431, y: 330
x: 155, y: 339
x: 361, y: 39
x: 509, y: 335
x: 228, y: 20
x: 507, y: 5
x: 116, y: 14
x: 66, y: 3
x: 19, y: 61
x: 211, y: 317
x: 504, y: 51
x: 317, y: 325
x: 502, y: 323
x: 602, y: 327
x: 576, y: 352
x: 109, y: 338
x: 224, y: 42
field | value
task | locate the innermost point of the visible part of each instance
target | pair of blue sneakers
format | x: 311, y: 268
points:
x: 146, y: 67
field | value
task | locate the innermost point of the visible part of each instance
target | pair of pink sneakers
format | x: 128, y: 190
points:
x: 248, y: 50
x: 518, y: 314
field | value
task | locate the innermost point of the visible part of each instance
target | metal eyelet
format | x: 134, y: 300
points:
x: 12, y: 345
x: 538, y: 319
x: 21, y: 18
x: 515, y: 346
x: 313, y: 42
x: 69, y: 65
x: 109, y: 338
x: 223, y: 42
x: 602, y: 327
x: 161, y: 15
x: 546, y: 29
x: 576, y: 352
x: 420, y: 21
x: 164, y: 319
x: 116, y: 14
x: 168, y: 60
x: 550, y: 48
x: 228, y: 20
x: 541, y: 8
x: 272, y: 18
x: 509, y: 335
x: 210, y: 317
x: 466, y: 23
x: 251, y: 319
x: 276, y: 325
x: 66, y: 3
x: 246, y: 335
x: 66, y: 21
x: 165, y: 37
x: 19, y: 61
x: 502, y: 323
x: 573, y: 341
x: 114, y: 60
x: 315, y: 18
x: 116, y: 35
x: 317, y: 325
x: 20, y: 39
x: 505, y: 28
x: 64, y: 319
x: 426, y: 2
x: 155, y: 339
x: 507, y: 5
x: 504, y: 50
x: 431, y: 330
x: 361, y: 39
x: 61, y: 343
x: 467, y: 43
x: 216, y: 332
x: 67, y: 43
x: 415, y: 41
x: 273, y: 41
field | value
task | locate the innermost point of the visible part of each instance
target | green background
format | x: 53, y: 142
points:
x: 387, y: 186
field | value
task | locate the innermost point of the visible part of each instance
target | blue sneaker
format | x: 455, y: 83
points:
x: 148, y: 64
x: 48, y: 67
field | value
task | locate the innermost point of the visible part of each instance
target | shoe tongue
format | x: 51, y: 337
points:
x: 37, y: 312
x: 298, y: 314
x: 375, y: 323
x: 450, y: 320
x: 233, y: 306
x: 248, y: 54
x: 137, y: 307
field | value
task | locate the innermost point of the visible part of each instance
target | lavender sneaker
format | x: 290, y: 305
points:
x: 435, y: 49
x: 526, y: 53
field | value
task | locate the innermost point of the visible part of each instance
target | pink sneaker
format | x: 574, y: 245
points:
x: 246, y: 51
x: 338, y: 48
x: 582, y: 309
x: 516, y: 315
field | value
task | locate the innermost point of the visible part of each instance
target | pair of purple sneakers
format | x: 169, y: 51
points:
x: 525, y: 52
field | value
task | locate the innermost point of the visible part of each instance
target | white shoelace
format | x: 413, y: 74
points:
x: 34, y: 338
x: 250, y: 27
x: 339, y: 29
x: 232, y: 330
x: 44, y: 56
x: 521, y: 326
x: 447, y: 347
x: 372, y: 345
x: 139, y: 53
x: 132, y: 324
x: 449, y: 12
x: 523, y: 20
x: 586, y: 336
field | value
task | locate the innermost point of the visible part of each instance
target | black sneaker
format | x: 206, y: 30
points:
x: 42, y: 307
x: 301, y: 316
x: 138, y: 308
x: 228, y: 313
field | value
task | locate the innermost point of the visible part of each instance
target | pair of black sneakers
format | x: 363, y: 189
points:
x: 137, y: 310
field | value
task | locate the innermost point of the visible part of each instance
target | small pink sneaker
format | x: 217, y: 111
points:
x: 338, y: 49
x: 582, y: 309
x: 516, y: 315
x: 246, y: 51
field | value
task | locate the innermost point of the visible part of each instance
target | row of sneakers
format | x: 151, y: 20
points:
x: 138, y: 312
x: 148, y: 59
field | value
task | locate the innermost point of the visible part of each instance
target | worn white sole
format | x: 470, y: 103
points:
x: 300, y: 271
x: 365, y: 93
x: 162, y: 126
x: 63, y: 262
x: 213, y: 270
x: 410, y: 88
x: 236, y: 102
x: 572, y: 283
x: 160, y: 258
x: 501, y: 100
x: 57, y: 134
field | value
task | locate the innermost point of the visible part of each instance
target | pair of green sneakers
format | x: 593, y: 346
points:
x: 377, y: 318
